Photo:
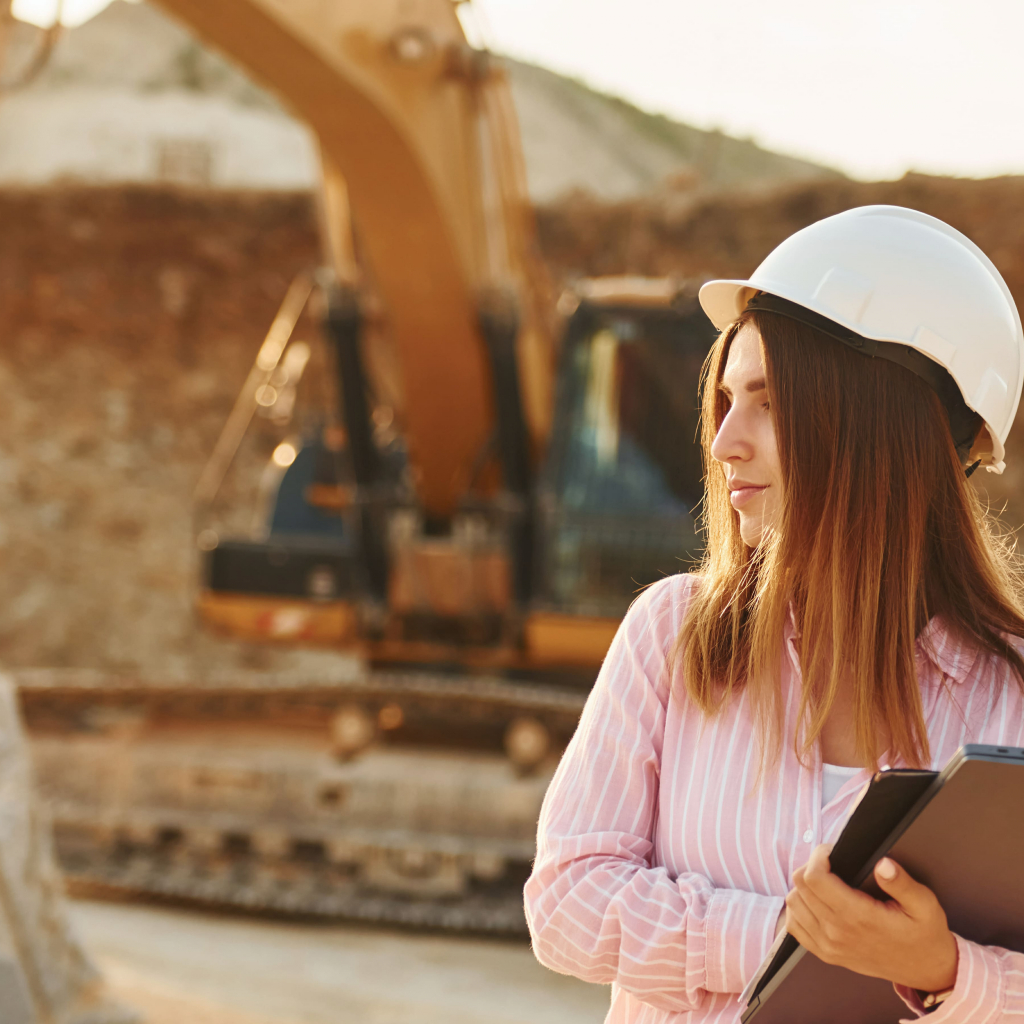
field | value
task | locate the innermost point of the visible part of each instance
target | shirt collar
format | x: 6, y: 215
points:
x: 952, y: 656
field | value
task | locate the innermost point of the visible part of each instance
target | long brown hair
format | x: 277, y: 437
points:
x: 878, y: 531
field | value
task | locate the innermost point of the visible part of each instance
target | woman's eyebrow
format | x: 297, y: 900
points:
x: 751, y: 386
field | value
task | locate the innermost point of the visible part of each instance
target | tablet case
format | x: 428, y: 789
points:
x: 961, y: 834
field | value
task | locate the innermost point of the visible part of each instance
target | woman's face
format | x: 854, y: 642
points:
x: 745, y: 444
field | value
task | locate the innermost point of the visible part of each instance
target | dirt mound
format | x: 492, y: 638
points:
x: 576, y: 137
x: 130, y: 317
x: 727, y: 234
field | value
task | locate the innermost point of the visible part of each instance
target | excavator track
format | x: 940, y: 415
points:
x: 317, y: 896
x: 62, y: 693
x: 260, y: 793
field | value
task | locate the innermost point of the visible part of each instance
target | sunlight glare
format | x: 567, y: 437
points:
x: 43, y: 12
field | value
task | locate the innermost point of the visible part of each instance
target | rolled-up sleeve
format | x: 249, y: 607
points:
x: 596, y: 906
x: 989, y: 988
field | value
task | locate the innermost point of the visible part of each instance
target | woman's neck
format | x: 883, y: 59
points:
x: 837, y: 743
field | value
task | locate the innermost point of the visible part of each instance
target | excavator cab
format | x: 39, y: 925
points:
x: 622, y: 479
x: 534, y: 576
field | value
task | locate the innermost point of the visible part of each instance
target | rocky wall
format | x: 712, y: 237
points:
x: 129, y: 318
x: 691, y: 234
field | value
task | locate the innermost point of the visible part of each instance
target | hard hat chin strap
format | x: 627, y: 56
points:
x: 964, y: 423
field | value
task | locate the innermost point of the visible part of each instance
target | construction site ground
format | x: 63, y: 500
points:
x: 175, y: 966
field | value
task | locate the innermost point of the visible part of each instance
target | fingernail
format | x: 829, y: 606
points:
x: 886, y: 869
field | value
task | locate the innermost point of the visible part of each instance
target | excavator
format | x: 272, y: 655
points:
x: 496, y: 473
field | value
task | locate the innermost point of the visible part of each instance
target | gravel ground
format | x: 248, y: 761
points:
x: 176, y: 965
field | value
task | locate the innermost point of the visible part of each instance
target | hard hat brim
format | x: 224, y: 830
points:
x: 724, y: 300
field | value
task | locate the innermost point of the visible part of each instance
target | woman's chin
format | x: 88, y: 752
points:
x: 751, y: 530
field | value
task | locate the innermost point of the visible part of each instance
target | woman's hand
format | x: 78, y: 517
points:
x: 905, y: 940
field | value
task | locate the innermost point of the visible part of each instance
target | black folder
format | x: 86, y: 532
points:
x: 961, y: 833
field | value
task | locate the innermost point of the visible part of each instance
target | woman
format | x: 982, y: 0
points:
x: 852, y: 610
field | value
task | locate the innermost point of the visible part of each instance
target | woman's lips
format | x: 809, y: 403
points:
x: 741, y: 495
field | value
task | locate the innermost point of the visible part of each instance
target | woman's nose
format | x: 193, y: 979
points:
x: 731, y: 442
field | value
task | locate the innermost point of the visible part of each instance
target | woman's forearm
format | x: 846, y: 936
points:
x: 607, y: 917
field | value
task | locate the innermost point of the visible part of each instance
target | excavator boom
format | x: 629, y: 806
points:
x: 417, y: 123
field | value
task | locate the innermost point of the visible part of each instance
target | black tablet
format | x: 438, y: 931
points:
x: 963, y: 837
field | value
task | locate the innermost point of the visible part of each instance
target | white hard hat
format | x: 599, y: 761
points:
x: 889, y: 274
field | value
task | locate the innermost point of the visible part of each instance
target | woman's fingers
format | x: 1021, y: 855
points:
x: 917, y: 901
x: 798, y: 910
x: 823, y: 911
x: 830, y: 918
x: 905, y: 940
x: 801, y: 924
x: 820, y: 886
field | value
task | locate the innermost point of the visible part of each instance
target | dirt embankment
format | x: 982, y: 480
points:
x: 728, y: 234
x: 130, y: 317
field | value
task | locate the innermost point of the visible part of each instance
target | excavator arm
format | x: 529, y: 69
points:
x: 420, y: 128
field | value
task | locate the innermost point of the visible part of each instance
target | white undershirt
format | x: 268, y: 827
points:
x: 833, y: 779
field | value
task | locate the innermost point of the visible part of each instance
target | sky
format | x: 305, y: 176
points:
x: 873, y: 87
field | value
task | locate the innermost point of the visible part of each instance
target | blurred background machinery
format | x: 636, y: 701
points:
x: 472, y: 480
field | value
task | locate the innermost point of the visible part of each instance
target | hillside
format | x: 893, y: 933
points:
x: 132, y: 96
x: 577, y: 138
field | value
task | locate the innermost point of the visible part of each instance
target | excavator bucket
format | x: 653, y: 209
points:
x: 45, y: 975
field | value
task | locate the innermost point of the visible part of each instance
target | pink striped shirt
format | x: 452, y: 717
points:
x: 660, y: 872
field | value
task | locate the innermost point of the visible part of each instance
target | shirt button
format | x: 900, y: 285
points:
x: 808, y: 835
